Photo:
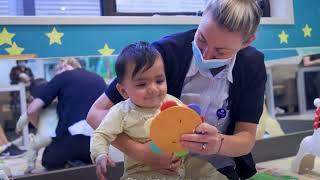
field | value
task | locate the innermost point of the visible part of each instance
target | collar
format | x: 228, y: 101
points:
x: 141, y: 109
x: 227, y: 72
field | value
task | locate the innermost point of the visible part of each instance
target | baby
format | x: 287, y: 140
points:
x: 142, y: 82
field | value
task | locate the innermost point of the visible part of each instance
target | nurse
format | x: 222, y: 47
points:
x: 214, y: 66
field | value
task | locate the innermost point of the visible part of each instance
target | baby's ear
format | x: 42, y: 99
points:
x: 122, y: 91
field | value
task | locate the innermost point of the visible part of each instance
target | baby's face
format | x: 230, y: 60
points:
x: 147, y: 88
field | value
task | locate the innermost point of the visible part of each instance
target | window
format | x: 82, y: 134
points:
x: 174, y: 7
x: 8, y: 8
x: 4, y: 7
x: 161, y: 6
x: 280, y: 12
x: 67, y: 8
x: 50, y: 7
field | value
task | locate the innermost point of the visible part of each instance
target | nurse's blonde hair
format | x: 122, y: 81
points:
x: 241, y: 16
x: 73, y: 62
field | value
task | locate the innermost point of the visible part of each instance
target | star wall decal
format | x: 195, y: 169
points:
x: 307, y: 31
x: 55, y: 36
x: 6, y: 37
x: 283, y: 37
x: 14, y: 49
x: 106, y: 51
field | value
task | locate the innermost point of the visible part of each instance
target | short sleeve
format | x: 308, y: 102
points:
x: 112, y: 93
x: 52, y: 88
x: 252, y: 96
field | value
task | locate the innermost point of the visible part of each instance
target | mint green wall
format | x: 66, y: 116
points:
x: 82, y: 40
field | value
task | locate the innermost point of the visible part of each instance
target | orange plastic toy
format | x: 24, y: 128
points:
x: 168, y: 126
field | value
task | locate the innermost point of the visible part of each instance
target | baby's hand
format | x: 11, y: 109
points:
x: 102, y: 161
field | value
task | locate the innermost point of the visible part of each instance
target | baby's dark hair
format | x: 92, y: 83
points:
x: 141, y: 54
x: 37, y: 85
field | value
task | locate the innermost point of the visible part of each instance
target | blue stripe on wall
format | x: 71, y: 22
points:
x: 85, y: 40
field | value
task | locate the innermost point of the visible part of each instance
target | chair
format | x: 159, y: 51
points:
x: 284, y: 86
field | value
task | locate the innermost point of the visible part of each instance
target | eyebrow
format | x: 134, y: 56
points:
x: 144, y: 79
x: 202, y: 35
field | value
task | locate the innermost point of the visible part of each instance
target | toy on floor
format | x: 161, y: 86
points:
x: 48, y: 121
x: 271, y: 176
x: 268, y: 125
x: 309, y: 147
x: 168, y: 126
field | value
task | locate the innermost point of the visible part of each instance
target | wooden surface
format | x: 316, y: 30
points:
x: 19, y: 57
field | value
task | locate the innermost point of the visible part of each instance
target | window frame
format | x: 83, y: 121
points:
x: 138, y: 19
x: 110, y: 9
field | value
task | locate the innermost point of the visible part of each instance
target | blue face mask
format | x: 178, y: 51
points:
x: 209, y: 63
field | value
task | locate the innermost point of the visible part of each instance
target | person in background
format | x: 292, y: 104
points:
x: 19, y: 74
x: 214, y: 66
x: 76, y: 90
x: 312, y: 79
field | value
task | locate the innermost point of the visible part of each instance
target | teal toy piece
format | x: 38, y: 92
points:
x: 154, y: 148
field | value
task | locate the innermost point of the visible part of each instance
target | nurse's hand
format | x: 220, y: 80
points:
x: 205, y: 140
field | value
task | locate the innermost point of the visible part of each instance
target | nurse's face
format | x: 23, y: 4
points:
x: 216, y: 42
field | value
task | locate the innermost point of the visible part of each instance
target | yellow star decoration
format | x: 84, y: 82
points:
x: 55, y: 36
x: 307, y: 31
x: 14, y: 49
x: 5, y: 37
x: 283, y: 37
x: 106, y: 51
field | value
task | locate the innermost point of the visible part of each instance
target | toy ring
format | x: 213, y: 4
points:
x: 204, y: 146
x: 168, y: 126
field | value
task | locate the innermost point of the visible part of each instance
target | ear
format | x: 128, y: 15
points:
x: 122, y: 91
x: 249, y: 41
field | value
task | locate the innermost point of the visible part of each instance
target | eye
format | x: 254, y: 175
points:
x: 201, y: 41
x: 160, y: 81
x: 141, y: 85
x: 221, y: 54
